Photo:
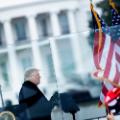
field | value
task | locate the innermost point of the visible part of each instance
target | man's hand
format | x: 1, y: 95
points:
x: 98, y: 74
x: 101, y: 78
x: 55, y: 99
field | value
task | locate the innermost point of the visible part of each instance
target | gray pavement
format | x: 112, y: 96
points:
x: 87, y: 110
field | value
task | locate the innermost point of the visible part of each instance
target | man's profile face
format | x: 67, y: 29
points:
x: 36, y: 77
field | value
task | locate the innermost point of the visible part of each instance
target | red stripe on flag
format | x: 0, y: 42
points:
x: 117, y: 57
x: 104, y: 89
x: 107, y: 70
x: 117, y: 75
x: 118, y: 42
x: 109, y: 60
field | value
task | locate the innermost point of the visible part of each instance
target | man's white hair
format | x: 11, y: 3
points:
x: 28, y: 73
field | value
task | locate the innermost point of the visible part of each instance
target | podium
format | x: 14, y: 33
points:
x: 68, y: 104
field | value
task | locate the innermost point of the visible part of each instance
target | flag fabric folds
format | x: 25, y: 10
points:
x: 115, y: 33
x: 100, y: 29
x: 112, y: 101
x: 107, y: 54
x: 112, y: 68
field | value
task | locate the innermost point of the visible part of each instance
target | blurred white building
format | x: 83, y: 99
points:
x: 50, y: 35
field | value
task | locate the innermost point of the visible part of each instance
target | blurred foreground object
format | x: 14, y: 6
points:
x: 7, y: 115
x: 112, y: 101
x: 110, y: 116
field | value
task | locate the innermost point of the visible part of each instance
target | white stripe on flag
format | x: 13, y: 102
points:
x: 105, y: 51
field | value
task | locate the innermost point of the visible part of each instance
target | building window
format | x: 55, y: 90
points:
x: 51, y: 68
x: 1, y: 35
x: 19, y: 25
x: 50, y: 65
x: 63, y: 19
x: 66, y: 55
x: 44, y: 28
x: 26, y: 62
x: 4, y: 74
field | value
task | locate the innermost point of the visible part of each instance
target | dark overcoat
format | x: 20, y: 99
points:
x: 37, y: 105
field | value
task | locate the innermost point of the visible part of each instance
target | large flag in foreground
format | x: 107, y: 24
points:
x: 112, y: 68
x: 115, y: 32
x: 106, y: 51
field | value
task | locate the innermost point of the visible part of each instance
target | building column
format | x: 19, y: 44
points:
x: 34, y: 37
x: 54, y: 49
x: 55, y: 24
x: 14, y: 68
x: 75, y: 42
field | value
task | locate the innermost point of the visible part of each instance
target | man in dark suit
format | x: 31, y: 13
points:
x: 37, y: 105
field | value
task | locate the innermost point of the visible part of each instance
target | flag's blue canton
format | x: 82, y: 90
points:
x: 102, y: 23
x: 115, y: 29
x: 104, y: 26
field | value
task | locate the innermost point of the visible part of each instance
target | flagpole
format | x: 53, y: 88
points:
x: 113, y: 5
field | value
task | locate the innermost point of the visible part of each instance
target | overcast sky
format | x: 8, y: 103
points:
x: 6, y: 3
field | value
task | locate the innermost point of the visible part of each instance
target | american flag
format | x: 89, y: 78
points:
x: 100, y: 37
x: 115, y: 33
x: 112, y: 69
x: 109, y: 55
